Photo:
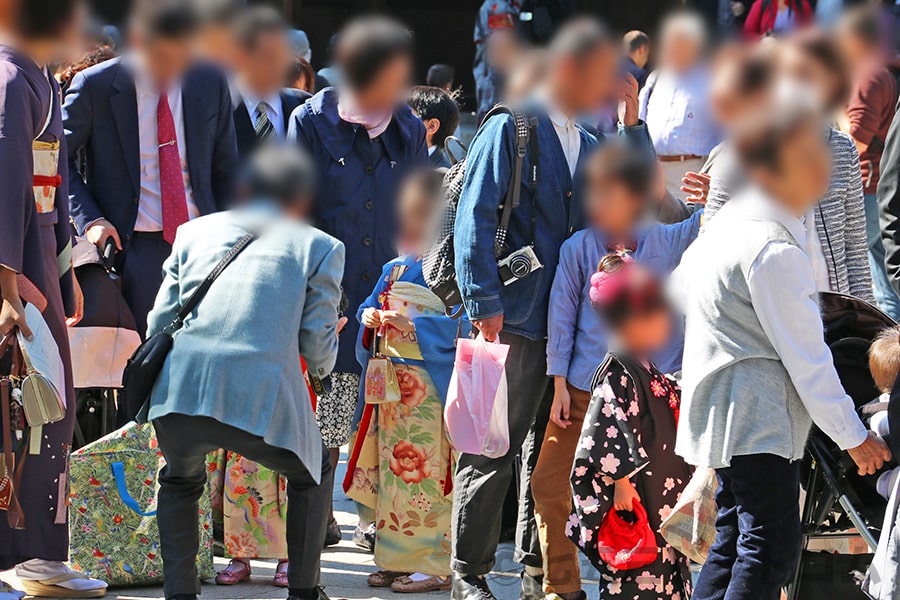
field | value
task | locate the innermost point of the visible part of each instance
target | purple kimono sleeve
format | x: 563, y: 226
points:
x: 18, y: 105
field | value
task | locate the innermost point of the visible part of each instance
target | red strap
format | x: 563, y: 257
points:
x: 358, y: 444
x: 48, y: 180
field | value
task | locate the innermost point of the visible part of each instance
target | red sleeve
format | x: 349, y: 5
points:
x: 865, y: 108
x: 806, y: 16
x: 752, y: 26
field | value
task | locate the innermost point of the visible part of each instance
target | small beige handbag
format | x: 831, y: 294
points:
x: 41, y: 401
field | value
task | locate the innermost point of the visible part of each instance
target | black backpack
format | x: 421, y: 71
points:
x: 438, y: 261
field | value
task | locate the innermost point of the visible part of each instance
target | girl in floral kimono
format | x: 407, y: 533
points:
x: 401, y: 463
x: 626, y: 453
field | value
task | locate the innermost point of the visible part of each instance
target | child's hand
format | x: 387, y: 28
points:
x: 625, y: 495
x: 397, y: 321
x: 559, y: 411
x: 371, y: 318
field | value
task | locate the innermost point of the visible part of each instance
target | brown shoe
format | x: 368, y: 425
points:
x: 384, y: 579
x: 405, y: 585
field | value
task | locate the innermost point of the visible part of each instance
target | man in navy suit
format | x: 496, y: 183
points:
x: 262, y: 106
x: 157, y: 134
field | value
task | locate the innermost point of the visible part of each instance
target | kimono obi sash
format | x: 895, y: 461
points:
x: 46, y: 175
x: 411, y: 300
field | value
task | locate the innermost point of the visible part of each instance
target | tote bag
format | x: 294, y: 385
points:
x: 476, y: 409
x: 112, y: 524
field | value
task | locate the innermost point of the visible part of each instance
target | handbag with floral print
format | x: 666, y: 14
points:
x: 381, y: 383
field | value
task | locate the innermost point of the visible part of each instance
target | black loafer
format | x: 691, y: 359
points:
x: 332, y: 534
x: 471, y: 587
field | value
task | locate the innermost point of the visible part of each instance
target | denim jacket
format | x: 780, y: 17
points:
x: 553, y: 203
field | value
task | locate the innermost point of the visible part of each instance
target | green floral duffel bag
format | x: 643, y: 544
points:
x: 112, y: 519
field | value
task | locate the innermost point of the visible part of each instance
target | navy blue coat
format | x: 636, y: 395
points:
x: 244, y: 127
x: 100, y: 118
x: 357, y: 191
x: 554, y: 205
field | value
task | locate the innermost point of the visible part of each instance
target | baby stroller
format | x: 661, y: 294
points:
x: 101, y: 343
x: 837, y: 499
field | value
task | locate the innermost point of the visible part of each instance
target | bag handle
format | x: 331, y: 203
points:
x: 200, y: 292
x: 118, y: 470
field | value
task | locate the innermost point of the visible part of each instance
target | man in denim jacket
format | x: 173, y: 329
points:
x: 582, y: 73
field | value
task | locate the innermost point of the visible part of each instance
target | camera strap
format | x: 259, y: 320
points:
x: 526, y: 135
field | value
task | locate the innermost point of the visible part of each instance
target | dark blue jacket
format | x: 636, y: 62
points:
x: 100, y: 117
x: 358, y: 184
x: 244, y: 127
x: 557, y: 212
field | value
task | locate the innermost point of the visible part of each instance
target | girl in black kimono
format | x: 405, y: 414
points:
x: 626, y: 453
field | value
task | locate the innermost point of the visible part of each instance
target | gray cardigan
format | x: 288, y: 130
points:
x: 840, y: 216
x: 237, y: 358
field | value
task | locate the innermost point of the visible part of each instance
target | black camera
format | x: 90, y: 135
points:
x: 518, y: 265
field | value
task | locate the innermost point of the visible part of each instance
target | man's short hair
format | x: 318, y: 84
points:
x: 620, y: 161
x: 219, y: 13
x: 256, y: 22
x: 634, y: 40
x: 430, y: 102
x: 865, y: 24
x: 580, y: 38
x: 279, y: 172
x: 440, y: 75
x: 44, y: 19
x: 367, y: 45
x: 759, y: 140
x: 166, y: 19
x: 884, y: 359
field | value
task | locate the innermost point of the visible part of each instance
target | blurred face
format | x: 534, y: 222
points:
x: 804, y: 172
x: 502, y: 50
x: 799, y: 69
x: 855, y: 50
x: 166, y: 60
x: 678, y: 50
x: 641, y: 56
x: 647, y: 333
x: 591, y: 81
x: 217, y: 44
x: 729, y: 105
x: 415, y: 215
x: 389, y: 88
x: 263, y: 67
x: 612, y: 208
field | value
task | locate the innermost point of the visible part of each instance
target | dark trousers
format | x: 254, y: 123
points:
x: 480, y: 483
x: 141, y: 270
x: 758, y: 531
x: 185, y: 441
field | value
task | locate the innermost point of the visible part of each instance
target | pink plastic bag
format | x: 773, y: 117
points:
x: 476, y: 411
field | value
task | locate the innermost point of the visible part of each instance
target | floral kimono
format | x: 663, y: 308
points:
x: 629, y: 431
x: 401, y: 461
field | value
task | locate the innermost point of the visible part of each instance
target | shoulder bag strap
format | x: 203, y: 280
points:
x: 201, y: 291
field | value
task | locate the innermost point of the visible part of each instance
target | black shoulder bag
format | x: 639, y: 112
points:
x: 145, y: 364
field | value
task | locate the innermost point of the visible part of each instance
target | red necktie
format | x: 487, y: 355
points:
x: 171, y: 180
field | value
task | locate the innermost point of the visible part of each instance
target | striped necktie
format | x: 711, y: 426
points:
x: 264, y: 127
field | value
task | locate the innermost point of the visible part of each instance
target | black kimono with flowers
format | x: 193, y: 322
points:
x: 629, y: 431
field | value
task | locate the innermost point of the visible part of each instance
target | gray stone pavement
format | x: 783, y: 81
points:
x: 344, y: 571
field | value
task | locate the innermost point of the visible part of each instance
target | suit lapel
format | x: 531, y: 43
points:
x: 195, y: 121
x: 124, y: 109
x: 243, y: 129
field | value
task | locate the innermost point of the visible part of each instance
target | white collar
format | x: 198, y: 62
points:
x: 432, y: 150
x: 557, y: 116
x: 757, y: 203
x: 252, y: 101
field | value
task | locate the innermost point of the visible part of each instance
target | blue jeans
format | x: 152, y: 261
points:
x: 758, y: 539
x: 885, y: 296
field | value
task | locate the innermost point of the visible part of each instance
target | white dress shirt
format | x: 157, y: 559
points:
x: 273, y: 108
x: 149, y: 217
x: 675, y: 107
x: 566, y: 131
x: 783, y: 290
x: 816, y: 253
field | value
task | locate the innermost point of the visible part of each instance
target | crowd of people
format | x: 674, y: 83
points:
x: 680, y: 201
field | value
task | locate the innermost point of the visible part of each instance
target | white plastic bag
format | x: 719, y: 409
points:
x: 476, y: 410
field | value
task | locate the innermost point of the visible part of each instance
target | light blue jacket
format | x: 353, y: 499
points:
x: 237, y: 358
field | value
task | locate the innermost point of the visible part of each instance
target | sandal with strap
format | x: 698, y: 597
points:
x: 236, y: 572
x: 384, y: 579
x: 407, y: 585
x: 281, y: 575
x: 51, y: 588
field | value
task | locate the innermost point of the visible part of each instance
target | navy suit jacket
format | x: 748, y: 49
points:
x: 100, y: 118
x: 244, y: 127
